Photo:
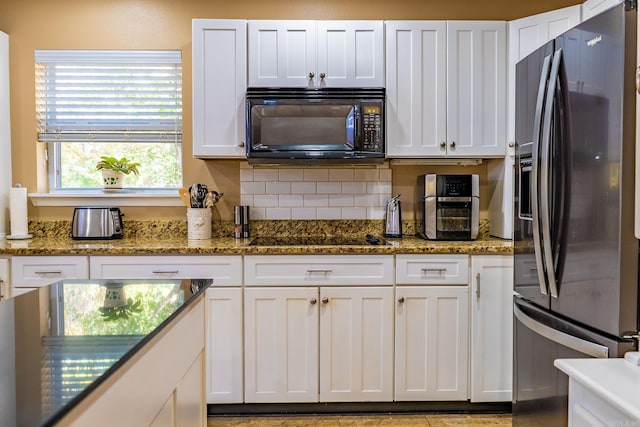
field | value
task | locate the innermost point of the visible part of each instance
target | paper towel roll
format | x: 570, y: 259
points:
x: 18, y: 212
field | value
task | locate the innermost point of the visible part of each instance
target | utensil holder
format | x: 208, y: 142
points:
x: 199, y: 223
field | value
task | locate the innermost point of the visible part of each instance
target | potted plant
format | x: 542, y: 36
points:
x: 114, y: 169
x: 117, y: 305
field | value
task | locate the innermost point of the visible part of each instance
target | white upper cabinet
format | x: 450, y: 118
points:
x: 316, y: 53
x: 219, y: 86
x: 446, y: 88
x: 591, y: 8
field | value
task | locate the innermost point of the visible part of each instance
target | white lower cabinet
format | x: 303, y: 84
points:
x: 431, y: 343
x: 4, y: 279
x: 491, y: 328
x: 30, y: 272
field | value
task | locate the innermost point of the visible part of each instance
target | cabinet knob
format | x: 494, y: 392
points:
x: 401, y: 300
x: 311, y: 74
x: 453, y: 144
x: 322, y: 75
x: 325, y: 300
x: 241, y: 144
x: 512, y: 144
x: 443, y: 144
x: 313, y: 301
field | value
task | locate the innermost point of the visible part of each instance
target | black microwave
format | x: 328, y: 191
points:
x: 315, y: 125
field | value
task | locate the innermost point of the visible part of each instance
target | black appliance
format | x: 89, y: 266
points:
x: 575, y: 254
x: 315, y: 125
x: 448, y: 206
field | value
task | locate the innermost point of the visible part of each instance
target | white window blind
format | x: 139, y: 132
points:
x: 109, y: 96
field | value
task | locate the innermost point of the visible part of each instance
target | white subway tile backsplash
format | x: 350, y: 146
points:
x: 329, y: 213
x: 291, y: 175
x: 354, y: 188
x: 303, y: 213
x: 341, y: 200
x: 316, y: 200
x: 303, y: 188
x: 265, y: 175
x: 291, y: 200
x: 328, y: 188
x: 278, y: 188
x: 315, y: 193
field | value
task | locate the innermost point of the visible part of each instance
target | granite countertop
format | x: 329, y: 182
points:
x: 62, y: 341
x: 169, y: 237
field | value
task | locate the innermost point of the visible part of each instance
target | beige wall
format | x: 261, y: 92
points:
x: 166, y: 24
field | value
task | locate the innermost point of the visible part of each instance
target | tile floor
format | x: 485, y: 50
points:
x: 427, y: 420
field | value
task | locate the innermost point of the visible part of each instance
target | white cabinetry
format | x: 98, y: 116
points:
x: 316, y: 336
x: 491, y: 327
x: 316, y: 53
x: 432, y: 327
x: 219, y: 86
x: 4, y: 279
x: 457, y: 67
x: 591, y: 8
x: 30, y: 272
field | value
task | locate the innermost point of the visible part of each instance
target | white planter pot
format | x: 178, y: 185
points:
x: 112, y: 179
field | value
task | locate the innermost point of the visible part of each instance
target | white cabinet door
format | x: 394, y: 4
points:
x: 416, y: 88
x: 431, y: 343
x: 350, y: 54
x: 476, y: 88
x: 281, y: 345
x: 591, y: 8
x: 219, y: 86
x: 356, y: 344
x: 491, y: 327
x: 282, y: 53
x: 224, y: 345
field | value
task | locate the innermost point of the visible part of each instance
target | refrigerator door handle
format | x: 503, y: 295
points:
x: 545, y: 183
x: 535, y: 166
x: 566, y: 340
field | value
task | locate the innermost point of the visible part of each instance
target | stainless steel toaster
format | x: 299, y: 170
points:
x: 96, y: 222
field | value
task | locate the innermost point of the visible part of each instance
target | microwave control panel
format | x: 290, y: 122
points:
x: 371, y: 127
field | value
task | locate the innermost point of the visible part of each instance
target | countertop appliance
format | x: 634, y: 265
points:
x: 393, y: 218
x: 575, y: 254
x: 315, y: 125
x: 448, y: 206
x: 96, y: 222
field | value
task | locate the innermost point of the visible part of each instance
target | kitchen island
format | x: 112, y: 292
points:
x: 97, y: 352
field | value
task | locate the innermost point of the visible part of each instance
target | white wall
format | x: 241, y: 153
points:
x: 5, y: 136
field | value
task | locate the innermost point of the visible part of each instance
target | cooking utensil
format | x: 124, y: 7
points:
x: 216, y: 196
x: 184, y: 196
x: 198, y: 193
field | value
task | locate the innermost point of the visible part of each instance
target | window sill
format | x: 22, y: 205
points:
x: 125, y: 197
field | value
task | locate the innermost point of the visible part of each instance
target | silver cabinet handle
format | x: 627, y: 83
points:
x: 47, y: 272
x: 313, y: 301
x: 512, y: 144
x: 165, y: 271
x: 319, y: 270
x: 436, y: 270
x: 453, y: 144
x: 241, y: 144
x: 1, y: 289
x: 325, y: 300
x: 443, y: 144
x: 322, y: 75
x: 638, y: 79
x: 478, y: 285
x: 401, y: 300
x: 311, y: 74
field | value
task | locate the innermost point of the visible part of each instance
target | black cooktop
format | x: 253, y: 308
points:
x: 317, y: 241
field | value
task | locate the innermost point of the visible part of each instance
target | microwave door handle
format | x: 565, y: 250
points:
x: 545, y: 183
x: 356, y: 126
x: 535, y: 167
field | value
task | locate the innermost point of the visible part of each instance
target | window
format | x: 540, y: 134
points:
x: 93, y: 103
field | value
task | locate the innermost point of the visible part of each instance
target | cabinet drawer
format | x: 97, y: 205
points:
x: 30, y: 271
x: 325, y: 270
x: 224, y: 270
x: 432, y: 269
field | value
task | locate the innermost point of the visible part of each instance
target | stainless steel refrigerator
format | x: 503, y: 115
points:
x: 576, y: 257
